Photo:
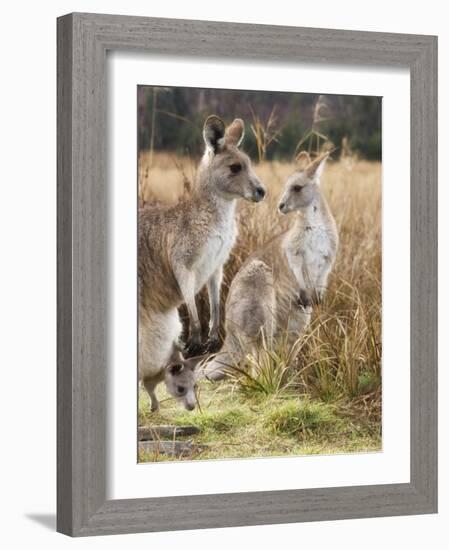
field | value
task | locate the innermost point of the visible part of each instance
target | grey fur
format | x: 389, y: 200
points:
x: 182, y: 248
x: 272, y: 294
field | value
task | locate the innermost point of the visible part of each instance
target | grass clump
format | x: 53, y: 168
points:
x: 234, y: 424
x: 301, y: 417
x: 336, y: 363
x: 219, y: 421
x: 267, y: 374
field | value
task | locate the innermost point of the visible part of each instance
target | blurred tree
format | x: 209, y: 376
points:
x: 171, y: 119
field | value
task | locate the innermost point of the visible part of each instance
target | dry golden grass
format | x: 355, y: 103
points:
x: 340, y: 356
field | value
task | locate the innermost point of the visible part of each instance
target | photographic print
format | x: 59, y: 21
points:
x: 259, y: 274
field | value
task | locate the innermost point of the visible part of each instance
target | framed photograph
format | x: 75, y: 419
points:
x: 247, y: 274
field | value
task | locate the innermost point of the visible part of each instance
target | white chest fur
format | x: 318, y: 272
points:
x: 316, y: 254
x: 216, y: 249
x: 309, y: 254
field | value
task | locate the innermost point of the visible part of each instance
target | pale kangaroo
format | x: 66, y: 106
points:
x: 273, y: 292
x: 183, y: 247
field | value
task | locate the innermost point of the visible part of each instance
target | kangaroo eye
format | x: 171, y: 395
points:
x: 235, y: 168
x: 297, y: 188
x: 181, y: 390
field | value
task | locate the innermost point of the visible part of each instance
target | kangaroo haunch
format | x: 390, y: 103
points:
x: 183, y: 247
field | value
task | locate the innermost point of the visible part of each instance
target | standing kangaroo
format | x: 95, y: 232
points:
x: 273, y: 292
x: 183, y: 247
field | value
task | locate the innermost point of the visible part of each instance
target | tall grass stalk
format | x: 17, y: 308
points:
x: 339, y: 358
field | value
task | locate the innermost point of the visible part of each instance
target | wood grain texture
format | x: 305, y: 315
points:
x: 423, y: 272
x: 64, y: 276
x: 83, y: 40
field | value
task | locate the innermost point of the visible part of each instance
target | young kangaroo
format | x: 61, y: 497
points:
x: 180, y: 378
x: 273, y: 292
x: 183, y: 247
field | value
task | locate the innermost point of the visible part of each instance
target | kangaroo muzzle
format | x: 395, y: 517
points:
x: 259, y: 194
x: 258, y: 191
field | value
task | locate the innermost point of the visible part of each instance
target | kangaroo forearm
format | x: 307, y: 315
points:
x: 213, y: 289
x: 194, y: 325
x: 186, y: 283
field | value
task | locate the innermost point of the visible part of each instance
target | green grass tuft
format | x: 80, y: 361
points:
x: 301, y: 417
x: 236, y: 424
x: 220, y: 421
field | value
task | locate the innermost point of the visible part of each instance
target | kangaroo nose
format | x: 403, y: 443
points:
x: 281, y: 207
x: 259, y: 193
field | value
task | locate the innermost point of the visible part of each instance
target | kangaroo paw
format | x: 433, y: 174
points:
x: 304, y: 300
x: 193, y: 349
x: 213, y: 344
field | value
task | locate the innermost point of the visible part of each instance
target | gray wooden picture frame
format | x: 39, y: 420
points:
x: 83, y: 41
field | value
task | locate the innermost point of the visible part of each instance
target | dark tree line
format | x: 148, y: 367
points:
x: 171, y: 119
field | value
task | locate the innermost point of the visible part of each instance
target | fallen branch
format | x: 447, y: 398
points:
x: 157, y: 432
x: 172, y: 448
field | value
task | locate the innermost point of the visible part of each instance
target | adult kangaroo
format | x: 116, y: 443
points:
x: 275, y: 289
x: 183, y: 247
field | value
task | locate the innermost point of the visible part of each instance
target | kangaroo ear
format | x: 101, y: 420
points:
x: 302, y: 160
x: 175, y: 368
x: 315, y: 168
x: 213, y: 132
x: 235, y: 132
